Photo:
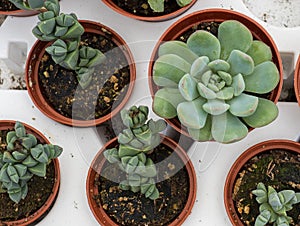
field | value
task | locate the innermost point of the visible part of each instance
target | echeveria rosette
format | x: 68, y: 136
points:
x: 159, y: 6
x: 274, y: 205
x: 135, y: 142
x: 22, y: 159
x: 212, y: 83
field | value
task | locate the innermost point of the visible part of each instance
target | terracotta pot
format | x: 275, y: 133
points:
x: 169, y: 16
x: 297, y: 81
x: 19, y: 12
x: 217, y: 15
x: 97, y: 164
x: 259, y: 148
x: 44, y: 210
x: 31, y: 77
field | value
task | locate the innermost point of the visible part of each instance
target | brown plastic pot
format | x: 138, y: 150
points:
x: 97, y: 164
x: 217, y: 15
x: 169, y: 16
x: 19, y: 12
x: 31, y: 77
x: 297, y: 81
x: 44, y: 210
x: 290, y: 146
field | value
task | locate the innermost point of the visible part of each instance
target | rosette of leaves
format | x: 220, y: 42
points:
x: 135, y: 143
x: 65, y: 31
x: 158, y: 5
x: 215, y: 84
x: 274, y: 205
x: 22, y: 159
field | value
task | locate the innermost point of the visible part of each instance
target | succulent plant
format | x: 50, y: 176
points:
x: 217, y: 81
x: 158, y: 5
x: 28, y: 4
x: 65, y: 32
x: 135, y: 142
x: 274, y: 206
x: 23, y: 158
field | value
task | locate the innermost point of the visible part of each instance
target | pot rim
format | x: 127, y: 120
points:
x: 265, y: 146
x: 19, y: 12
x: 218, y: 15
x: 165, y: 17
x: 41, y: 103
x: 297, y: 80
x: 45, y: 208
x: 97, y: 163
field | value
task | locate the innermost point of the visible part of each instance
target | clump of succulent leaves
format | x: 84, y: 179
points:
x: 212, y: 83
x: 28, y: 4
x: 65, y: 31
x: 23, y: 158
x: 135, y: 143
x: 274, y: 205
x: 158, y: 5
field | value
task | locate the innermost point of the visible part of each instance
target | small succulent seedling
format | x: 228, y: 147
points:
x: 158, y: 5
x: 274, y: 205
x: 212, y: 83
x: 23, y: 158
x: 135, y: 143
x: 65, y: 32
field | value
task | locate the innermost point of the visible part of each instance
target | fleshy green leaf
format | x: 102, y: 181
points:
x: 225, y: 94
x: 264, y: 78
x: 260, y: 52
x: 265, y: 113
x: 38, y: 154
x: 199, y: 67
x: 206, y: 92
x: 219, y: 65
x: 203, y: 134
x: 183, y: 3
x: 204, y: 43
x: 75, y: 31
x: 192, y: 108
x: 233, y: 35
x: 238, y: 84
x: 188, y: 87
x: 165, y: 102
x: 20, y: 129
x: 240, y: 63
x: 156, y: 5
x: 39, y: 169
x: 215, y: 107
x: 46, y: 27
x: 178, y: 48
x: 169, y: 69
x: 243, y: 105
x: 125, y: 150
x: 227, y: 128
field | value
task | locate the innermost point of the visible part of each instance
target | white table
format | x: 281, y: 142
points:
x: 81, y: 144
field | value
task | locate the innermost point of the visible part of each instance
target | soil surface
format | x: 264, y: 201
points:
x: 128, y: 208
x: 277, y: 168
x: 142, y: 8
x: 39, y: 189
x: 6, y: 5
x: 110, y: 79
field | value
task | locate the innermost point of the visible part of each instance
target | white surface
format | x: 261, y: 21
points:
x: 81, y: 144
x: 280, y: 13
